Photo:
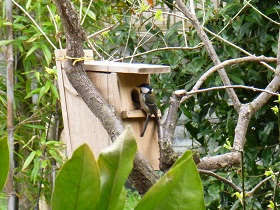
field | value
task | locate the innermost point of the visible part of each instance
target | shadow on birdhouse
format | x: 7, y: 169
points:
x: 117, y: 83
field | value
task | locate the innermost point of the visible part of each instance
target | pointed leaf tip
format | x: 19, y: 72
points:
x: 115, y: 164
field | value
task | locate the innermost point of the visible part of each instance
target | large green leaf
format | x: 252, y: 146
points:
x: 179, y: 189
x: 77, y: 185
x: 115, y: 164
x: 4, y: 161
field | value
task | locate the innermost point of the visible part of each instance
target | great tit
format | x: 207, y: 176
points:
x: 148, y: 103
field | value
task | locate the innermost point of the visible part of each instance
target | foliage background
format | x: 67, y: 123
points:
x: 38, y: 111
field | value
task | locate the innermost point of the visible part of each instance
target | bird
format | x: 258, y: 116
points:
x: 148, y: 103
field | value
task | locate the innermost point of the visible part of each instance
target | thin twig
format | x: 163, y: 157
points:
x: 243, y: 180
x: 258, y: 11
x: 210, y: 173
x: 25, y: 12
x: 128, y: 35
x: 239, y: 48
x: 102, y: 31
x: 227, y: 63
x: 55, y: 26
x: 230, y: 21
x: 275, y: 189
x: 140, y: 42
x: 211, y: 52
x: 93, y: 48
x: 231, y: 86
x: 81, y: 10
x: 160, y: 49
x: 184, y: 33
x: 83, y: 20
x: 251, y: 192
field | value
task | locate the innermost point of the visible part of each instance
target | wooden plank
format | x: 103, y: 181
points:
x: 135, y: 114
x: 66, y: 132
x: 133, y: 68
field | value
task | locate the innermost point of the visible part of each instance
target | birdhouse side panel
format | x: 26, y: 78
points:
x: 84, y: 127
x: 80, y: 124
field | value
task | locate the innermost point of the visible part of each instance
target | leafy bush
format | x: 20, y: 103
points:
x: 83, y: 183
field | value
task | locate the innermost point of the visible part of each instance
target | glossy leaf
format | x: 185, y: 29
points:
x: 179, y: 188
x: 115, y: 164
x: 77, y: 185
x: 4, y: 161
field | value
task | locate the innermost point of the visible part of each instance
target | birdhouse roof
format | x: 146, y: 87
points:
x: 133, y: 68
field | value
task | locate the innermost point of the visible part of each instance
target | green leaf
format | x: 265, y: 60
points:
x: 159, y: 16
x: 77, y: 185
x: 54, y: 91
x: 90, y: 13
x: 32, y: 49
x: 35, y: 126
x: 35, y: 170
x: 4, y: 161
x: 44, y: 163
x: 115, y: 163
x: 50, y: 71
x: 47, y: 54
x: 33, y: 92
x: 47, y: 86
x: 236, y: 79
x: 28, y: 4
x: 38, y: 76
x: 179, y: 188
x: 29, y: 160
x: 4, y: 42
x: 42, y: 92
x: 55, y: 156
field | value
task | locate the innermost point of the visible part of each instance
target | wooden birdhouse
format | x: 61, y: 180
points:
x: 116, y: 82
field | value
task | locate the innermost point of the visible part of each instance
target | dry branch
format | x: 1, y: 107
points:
x: 210, y: 173
x: 211, y: 51
x: 227, y: 63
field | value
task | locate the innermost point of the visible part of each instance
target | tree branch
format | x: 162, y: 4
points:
x: 224, y: 64
x: 251, y: 192
x: 210, y: 49
x: 239, y: 48
x: 220, y: 161
x: 210, y: 173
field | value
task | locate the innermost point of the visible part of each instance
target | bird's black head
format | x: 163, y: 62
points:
x: 145, y: 88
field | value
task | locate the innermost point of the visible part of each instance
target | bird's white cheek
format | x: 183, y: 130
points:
x: 145, y: 90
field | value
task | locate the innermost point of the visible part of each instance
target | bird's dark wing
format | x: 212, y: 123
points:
x: 152, y: 105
